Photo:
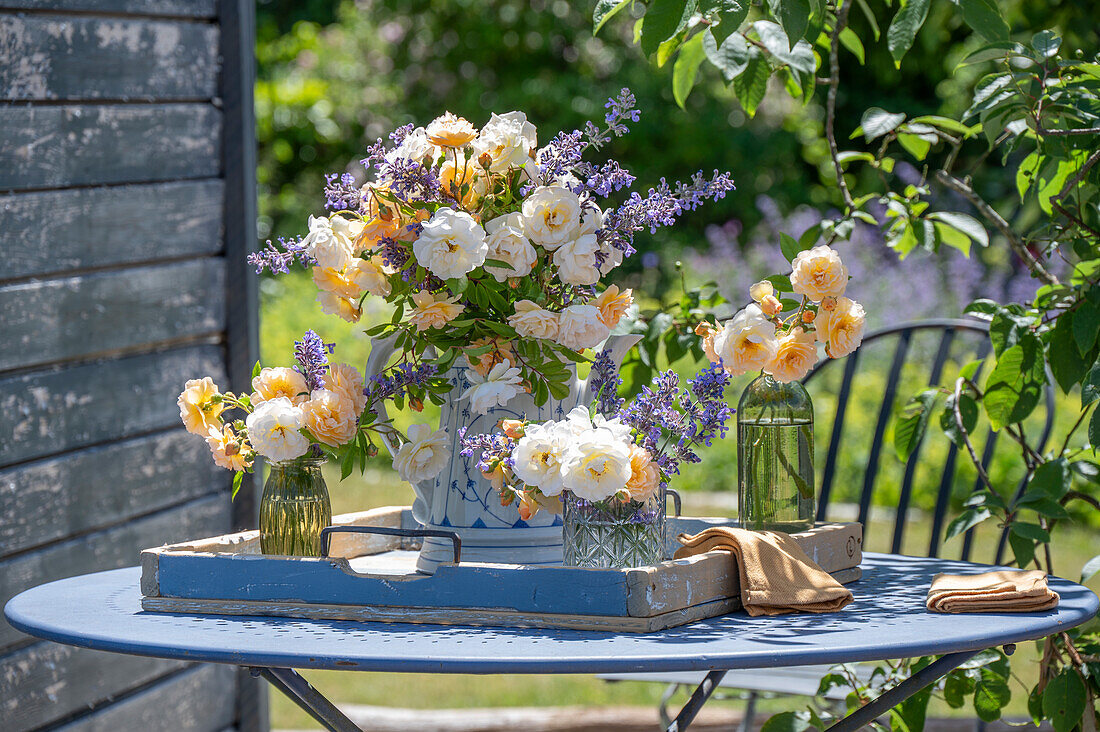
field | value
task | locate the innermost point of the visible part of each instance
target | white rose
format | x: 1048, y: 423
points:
x: 576, y: 261
x: 416, y: 146
x: 273, y: 430
x: 451, y: 244
x: 329, y: 247
x: 537, y: 457
x: 551, y: 216
x: 494, y: 389
x: 818, y: 273
x: 509, y: 139
x: 580, y: 327
x: 615, y: 426
x: 576, y: 422
x: 508, y: 244
x: 596, y: 465
x: 532, y: 321
x: 424, y: 456
x: 747, y: 342
x: 350, y: 229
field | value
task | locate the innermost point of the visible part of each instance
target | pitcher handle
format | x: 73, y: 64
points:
x: 381, y: 351
x: 617, y: 347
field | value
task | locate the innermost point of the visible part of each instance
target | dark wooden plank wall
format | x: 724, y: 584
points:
x: 126, y: 210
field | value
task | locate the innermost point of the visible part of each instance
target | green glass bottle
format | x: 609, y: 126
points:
x: 775, y: 445
x: 294, y: 508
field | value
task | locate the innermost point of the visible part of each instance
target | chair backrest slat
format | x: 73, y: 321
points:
x: 884, y: 413
x: 838, y: 428
x: 951, y: 331
x: 942, y: 353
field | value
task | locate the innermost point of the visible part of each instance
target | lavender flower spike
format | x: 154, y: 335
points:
x: 312, y: 356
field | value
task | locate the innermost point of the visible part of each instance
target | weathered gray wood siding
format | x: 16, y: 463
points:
x: 126, y: 210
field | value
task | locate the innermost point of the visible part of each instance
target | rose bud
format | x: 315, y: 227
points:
x: 828, y: 303
x: 485, y: 160
x: 770, y: 305
x: 808, y: 316
x: 416, y: 404
x: 761, y: 290
x: 372, y: 450
x: 513, y: 428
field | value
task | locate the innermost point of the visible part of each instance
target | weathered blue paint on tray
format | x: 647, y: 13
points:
x: 887, y: 620
x: 274, y: 579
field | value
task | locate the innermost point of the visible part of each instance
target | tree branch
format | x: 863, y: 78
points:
x: 966, y: 437
x: 830, y: 101
x: 1001, y: 225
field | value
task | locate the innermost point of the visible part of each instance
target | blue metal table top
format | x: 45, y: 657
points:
x: 887, y: 620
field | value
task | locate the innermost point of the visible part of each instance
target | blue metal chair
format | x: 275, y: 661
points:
x: 960, y: 340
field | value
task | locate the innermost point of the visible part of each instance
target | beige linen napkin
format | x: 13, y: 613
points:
x: 776, y: 575
x: 1003, y: 591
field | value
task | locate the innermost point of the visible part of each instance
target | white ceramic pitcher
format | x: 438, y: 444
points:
x: 461, y: 500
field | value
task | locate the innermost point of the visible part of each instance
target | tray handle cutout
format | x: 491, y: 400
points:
x: 328, y: 531
x: 677, y: 505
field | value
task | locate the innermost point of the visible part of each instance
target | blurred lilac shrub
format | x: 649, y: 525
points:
x: 923, y: 286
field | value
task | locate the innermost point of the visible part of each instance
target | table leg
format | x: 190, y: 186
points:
x: 291, y: 683
x: 897, y: 694
x: 698, y: 699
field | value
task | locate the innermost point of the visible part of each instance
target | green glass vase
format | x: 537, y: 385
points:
x: 294, y: 508
x: 775, y: 446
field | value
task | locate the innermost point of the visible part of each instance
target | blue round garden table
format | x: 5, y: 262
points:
x: 887, y: 620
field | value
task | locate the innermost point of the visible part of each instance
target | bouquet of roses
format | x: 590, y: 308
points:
x: 760, y: 338
x: 486, y: 245
x: 315, y: 407
x: 612, y: 451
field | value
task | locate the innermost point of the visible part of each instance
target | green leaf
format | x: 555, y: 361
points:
x: 1052, y: 479
x: 903, y: 28
x: 850, y: 40
x: 953, y: 238
x: 876, y: 122
x: 985, y: 18
x: 966, y: 520
x: 793, y: 15
x: 1023, y: 550
x: 1090, y: 387
x: 752, y: 84
x: 1007, y: 328
x: 1066, y: 364
x: 605, y: 10
x: 955, y: 688
x: 991, y: 52
x: 1094, y: 428
x: 686, y: 68
x: 730, y: 15
x: 968, y: 410
x: 238, y: 479
x: 1086, y: 322
x: 256, y: 370
x: 1015, y: 386
x: 944, y: 123
x: 1035, y: 706
x: 731, y: 57
x: 964, y: 223
x: 790, y: 247
x: 1090, y: 569
x: 911, y: 422
x: 788, y: 722
x: 1047, y: 43
x: 991, y: 695
x: 1064, y: 700
x: 1027, y: 530
x: 781, y: 283
x: 347, y: 464
x: 662, y: 20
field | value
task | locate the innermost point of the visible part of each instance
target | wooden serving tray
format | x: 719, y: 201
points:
x: 373, y: 578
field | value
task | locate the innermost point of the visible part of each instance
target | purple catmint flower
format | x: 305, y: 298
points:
x: 604, y: 384
x: 621, y: 108
x: 393, y: 382
x: 312, y: 354
x: 277, y: 261
x: 341, y: 193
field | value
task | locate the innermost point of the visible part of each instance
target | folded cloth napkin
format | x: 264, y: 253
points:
x: 776, y: 575
x: 1003, y: 591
